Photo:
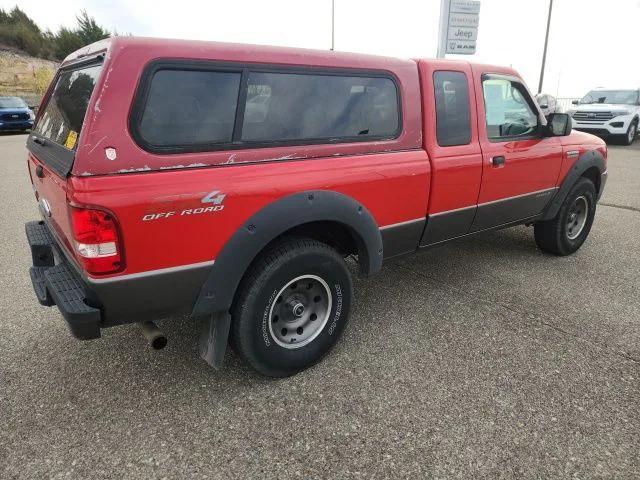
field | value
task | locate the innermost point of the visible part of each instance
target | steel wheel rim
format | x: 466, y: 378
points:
x: 300, y: 311
x: 577, y: 218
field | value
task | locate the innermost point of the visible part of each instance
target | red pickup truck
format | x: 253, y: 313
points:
x: 230, y: 182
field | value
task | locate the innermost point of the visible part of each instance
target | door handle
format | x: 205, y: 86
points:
x: 39, y: 141
x: 497, y: 161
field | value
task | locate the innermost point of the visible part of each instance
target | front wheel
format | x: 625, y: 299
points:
x: 630, y: 136
x: 291, y: 307
x: 566, y: 233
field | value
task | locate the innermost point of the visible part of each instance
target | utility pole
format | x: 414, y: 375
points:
x: 333, y: 23
x: 544, y: 53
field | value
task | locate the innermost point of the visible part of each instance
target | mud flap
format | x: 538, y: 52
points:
x: 214, y: 334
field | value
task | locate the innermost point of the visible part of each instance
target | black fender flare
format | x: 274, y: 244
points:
x: 218, y: 291
x: 592, y: 158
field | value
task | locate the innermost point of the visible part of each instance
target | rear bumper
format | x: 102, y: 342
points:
x: 89, y: 304
x: 55, y: 282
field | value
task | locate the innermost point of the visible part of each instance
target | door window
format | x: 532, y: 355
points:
x: 453, y: 119
x: 508, y: 113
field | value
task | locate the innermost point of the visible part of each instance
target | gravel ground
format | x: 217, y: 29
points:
x: 483, y: 358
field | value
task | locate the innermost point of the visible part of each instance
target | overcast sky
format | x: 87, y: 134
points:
x: 592, y: 42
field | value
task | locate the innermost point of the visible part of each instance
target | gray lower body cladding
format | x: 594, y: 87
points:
x: 149, y: 296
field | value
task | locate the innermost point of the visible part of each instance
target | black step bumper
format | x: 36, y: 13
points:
x: 55, y: 282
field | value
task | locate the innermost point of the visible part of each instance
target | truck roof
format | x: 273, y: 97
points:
x: 209, y: 49
x: 284, y: 55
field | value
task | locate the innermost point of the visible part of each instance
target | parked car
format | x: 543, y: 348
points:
x: 608, y: 113
x: 548, y: 104
x: 15, y: 114
x: 159, y: 197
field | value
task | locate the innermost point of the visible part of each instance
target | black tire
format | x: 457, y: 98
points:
x: 260, y: 294
x: 555, y: 236
x: 630, y: 136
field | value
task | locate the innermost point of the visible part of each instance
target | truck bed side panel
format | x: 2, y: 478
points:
x: 165, y: 223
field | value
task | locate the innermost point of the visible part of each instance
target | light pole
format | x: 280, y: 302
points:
x: 333, y: 23
x: 544, y: 53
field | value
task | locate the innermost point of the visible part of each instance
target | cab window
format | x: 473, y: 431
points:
x: 508, y: 113
x: 453, y: 118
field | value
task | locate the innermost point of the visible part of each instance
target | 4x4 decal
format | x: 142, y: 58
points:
x: 210, y: 198
x: 215, y: 198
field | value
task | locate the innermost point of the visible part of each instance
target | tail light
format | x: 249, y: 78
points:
x: 96, y: 240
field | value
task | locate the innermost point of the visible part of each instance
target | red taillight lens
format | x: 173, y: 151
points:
x: 96, y: 240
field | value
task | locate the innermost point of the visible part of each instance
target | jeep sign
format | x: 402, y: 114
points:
x: 458, y: 27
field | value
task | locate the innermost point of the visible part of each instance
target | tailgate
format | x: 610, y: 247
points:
x: 51, y: 193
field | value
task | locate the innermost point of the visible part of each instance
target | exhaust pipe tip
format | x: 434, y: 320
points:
x: 157, y: 340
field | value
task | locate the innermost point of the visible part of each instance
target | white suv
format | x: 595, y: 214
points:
x: 606, y: 112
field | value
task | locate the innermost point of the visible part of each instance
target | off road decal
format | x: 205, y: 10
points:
x: 182, y: 205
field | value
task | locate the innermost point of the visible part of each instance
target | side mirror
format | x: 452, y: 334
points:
x: 575, y: 102
x: 559, y: 124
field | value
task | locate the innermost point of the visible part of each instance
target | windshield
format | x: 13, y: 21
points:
x: 62, y: 118
x: 618, y: 97
x: 12, y: 102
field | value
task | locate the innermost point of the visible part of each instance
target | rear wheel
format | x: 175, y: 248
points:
x: 566, y: 233
x: 291, y: 307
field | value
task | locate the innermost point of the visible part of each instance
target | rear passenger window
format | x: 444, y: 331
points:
x: 292, y: 106
x: 190, y: 107
x: 453, y: 118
